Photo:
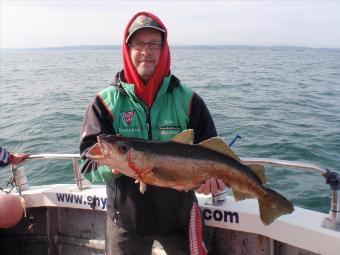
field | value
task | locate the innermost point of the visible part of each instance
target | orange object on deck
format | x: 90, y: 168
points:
x: 11, y: 210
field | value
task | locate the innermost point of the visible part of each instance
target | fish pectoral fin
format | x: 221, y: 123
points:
x: 259, y: 171
x: 276, y: 206
x: 239, y: 195
x: 142, y: 186
x: 186, y: 136
x: 219, y: 145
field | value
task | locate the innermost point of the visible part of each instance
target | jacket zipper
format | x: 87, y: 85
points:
x: 148, y: 125
x: 148, y: 120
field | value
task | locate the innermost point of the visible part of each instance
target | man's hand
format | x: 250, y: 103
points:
x: 18, y: 158
x: 212, y: 186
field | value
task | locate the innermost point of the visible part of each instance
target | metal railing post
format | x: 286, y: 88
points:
x: 333, y: 221
x: 332, y: 178
x: 77, y: 176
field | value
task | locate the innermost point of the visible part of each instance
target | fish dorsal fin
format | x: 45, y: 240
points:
x: 186, y: 136
x: 219, y: 145
x: 258, y: 170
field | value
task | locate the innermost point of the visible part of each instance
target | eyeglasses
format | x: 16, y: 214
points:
x: 152, y: 45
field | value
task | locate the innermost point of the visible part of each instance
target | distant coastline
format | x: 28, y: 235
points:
x: 183, y: 46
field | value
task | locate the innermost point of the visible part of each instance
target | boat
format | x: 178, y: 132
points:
x: 70, y: 219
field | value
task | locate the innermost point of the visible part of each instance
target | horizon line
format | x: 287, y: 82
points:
x: 176, y: 45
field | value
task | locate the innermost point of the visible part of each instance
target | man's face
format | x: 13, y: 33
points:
x: 145, y: 56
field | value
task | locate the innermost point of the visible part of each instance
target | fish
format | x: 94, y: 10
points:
x: 179, y: 164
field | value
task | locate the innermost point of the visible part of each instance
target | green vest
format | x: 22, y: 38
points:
x: 168, y: 116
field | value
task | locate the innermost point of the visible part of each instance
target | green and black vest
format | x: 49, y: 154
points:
x: 168, y: 116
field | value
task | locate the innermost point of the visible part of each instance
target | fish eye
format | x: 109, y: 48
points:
x: 123, y: 148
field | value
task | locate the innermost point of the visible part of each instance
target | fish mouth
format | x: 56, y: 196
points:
x: 95, y: 152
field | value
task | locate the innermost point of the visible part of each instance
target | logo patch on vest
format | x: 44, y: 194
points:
x: 127, y: 117
x: 170, y: 130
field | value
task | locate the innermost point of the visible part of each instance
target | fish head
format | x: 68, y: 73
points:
x: 112, y: 151
x: 114, y: 146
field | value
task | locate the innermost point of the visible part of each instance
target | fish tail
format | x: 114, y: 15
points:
x: 272, y: 208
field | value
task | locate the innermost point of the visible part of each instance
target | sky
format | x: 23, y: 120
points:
x: 35, y: 24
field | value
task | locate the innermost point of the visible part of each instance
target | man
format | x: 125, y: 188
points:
x: 7, y: 158
x: 148, y: 102
x: 11, y: 210
x: 4, y: 157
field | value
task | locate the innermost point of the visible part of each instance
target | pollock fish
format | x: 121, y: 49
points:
x: 184, y: 166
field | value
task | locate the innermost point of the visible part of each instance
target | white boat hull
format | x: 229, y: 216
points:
x: 67, y: 221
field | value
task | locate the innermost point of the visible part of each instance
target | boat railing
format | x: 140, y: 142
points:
x: 332, y: 178
x: 20, y: 177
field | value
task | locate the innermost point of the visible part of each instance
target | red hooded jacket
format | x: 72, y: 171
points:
x: 146, y: 92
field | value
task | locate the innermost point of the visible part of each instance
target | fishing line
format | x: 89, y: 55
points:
x: 21, y: 140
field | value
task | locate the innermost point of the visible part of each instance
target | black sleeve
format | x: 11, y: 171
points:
x: 97, y: 120
x: 4, y: 157
x: 200, y: 120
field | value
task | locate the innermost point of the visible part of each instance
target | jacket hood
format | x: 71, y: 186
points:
x: 146, y: 92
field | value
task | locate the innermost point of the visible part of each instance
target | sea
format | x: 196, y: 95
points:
x: 284, y: 103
